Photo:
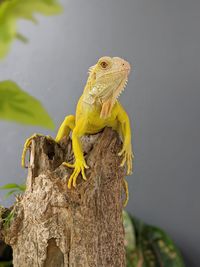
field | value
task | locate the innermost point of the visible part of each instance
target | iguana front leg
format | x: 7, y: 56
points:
x: 79, y: 164
x: 127, y: 146
x: 65, y: 128
x: 126, y: 151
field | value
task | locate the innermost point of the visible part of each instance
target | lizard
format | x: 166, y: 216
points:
x: 97, y: 108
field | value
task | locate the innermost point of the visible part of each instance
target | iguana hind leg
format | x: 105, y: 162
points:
x: 64, y: 130
x: 27, y: 145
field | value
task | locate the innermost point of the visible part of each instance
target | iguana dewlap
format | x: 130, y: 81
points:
x: 97, y: 108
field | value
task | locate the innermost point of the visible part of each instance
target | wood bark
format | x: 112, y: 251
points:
x: 53, y: 226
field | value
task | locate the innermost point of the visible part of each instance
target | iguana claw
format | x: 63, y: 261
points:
x: 79, y: 167
x: 127, y: 158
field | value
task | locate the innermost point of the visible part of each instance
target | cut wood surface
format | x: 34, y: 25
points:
x: 54, y: 226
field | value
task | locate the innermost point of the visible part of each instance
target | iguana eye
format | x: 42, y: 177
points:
x: 104, y: 64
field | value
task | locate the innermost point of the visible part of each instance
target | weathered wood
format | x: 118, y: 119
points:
x: 83, y: 227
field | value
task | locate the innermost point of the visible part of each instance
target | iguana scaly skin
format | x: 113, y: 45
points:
x: 97, y: 108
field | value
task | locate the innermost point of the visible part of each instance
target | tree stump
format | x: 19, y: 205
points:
x: 53, y: 226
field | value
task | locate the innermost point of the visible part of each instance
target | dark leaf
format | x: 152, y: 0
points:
x: 153, y: 248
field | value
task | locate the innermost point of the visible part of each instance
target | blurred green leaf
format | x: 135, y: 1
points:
x: 21, y: 38
x: 8, y: 219
x: 17, y: 105
x: 22, y: 187
x: 130, y: 241
x: 10, y: 186
x: 16, y: 188
x: 13, y: 10
x: 6, y: 264
x: 153, y: 247
x: 10, y: 193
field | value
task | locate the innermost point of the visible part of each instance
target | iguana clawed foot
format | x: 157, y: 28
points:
x: 27, y: 145
x: 79, y: 167
x: 127, y: 158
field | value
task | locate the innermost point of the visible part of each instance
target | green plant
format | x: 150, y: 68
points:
x: 13, y: 189
x: 149, y: 246
x: 15, y: 104
x: 6, y: 264
x: 8, y: 219
x: 13, y: 10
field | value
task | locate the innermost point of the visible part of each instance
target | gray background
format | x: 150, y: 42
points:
x: 162, y: 39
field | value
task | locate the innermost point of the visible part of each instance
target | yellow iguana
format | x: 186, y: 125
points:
x: 97, y: 108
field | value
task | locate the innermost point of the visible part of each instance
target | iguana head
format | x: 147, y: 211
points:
x: 107, y: 79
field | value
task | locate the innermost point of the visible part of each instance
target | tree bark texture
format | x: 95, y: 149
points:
x: 54, y: 226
